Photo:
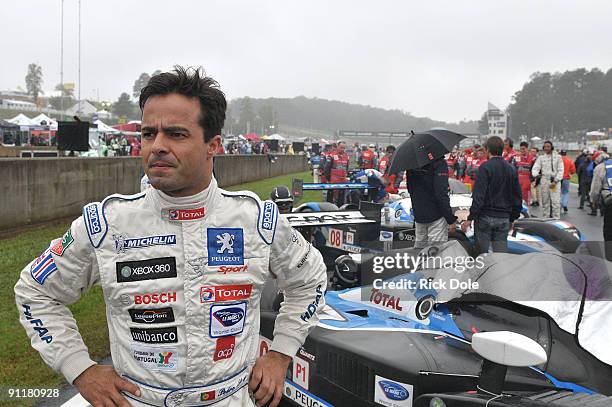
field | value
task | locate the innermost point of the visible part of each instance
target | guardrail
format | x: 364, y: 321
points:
x: 42, y: 189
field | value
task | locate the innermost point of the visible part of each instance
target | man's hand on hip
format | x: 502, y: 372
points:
x: 102, y: 386
x: 452, y: 228
x: 268, y: 378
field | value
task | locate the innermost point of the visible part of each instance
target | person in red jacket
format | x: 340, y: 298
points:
x: 383, y: 167
x: 480, y: 159
x: 569, y: 168
x: 367, y: 159
x: 509, y: 154
x: 470, y: 156
x: 451, y: 161
x: 523, y: 163
x: 336, y: 170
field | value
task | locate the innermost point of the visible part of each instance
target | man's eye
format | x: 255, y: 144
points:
x: 177, y: 134
x: 147, y: 134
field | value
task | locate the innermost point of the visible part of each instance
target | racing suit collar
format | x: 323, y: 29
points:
x: 186, y: 207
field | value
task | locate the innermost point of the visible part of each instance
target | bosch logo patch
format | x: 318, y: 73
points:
x: 155, y: 298
x: 151, y: 269
x: 227, y: 319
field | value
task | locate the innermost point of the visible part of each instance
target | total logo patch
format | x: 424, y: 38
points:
x: 392, y: 393
x: 227, y: 319
x: 225, y: 246
x: 224, y: 348
x: 209, y: 293
x: 186, y: 214
x: 151, y: 316
x: 156, y: 359
x: 150, y: 269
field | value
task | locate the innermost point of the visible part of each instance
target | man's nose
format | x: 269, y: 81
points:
x: 160, y: 145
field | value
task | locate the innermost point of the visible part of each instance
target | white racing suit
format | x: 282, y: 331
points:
x: 181, y: 278
x: 549, y: 166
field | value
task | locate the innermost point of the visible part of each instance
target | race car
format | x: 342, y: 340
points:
x: 397, y: 225
x: 529, y: 234
x: 383, y: 345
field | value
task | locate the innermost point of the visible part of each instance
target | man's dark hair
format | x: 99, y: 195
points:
x: 510, y: 142
x: 552, y: 147
x: 390, y: 149
x: 193, y: 83
x: 524, y: 144
x: 495, y: 145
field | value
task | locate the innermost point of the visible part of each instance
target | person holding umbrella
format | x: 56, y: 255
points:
x: 422, y: 156
x: 496, y: 200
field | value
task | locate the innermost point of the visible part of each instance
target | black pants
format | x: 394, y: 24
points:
x: 607, y: 229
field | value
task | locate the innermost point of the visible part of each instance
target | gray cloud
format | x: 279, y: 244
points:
x: 442, y: 59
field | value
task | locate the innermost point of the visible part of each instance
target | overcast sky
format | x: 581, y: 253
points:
x: 441, y: 59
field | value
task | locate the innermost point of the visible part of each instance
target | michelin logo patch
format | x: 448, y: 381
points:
x: 123, y: 243
x: 92, y: 219
x: 225, y: 246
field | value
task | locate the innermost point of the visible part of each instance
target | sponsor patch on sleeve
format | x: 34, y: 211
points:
x: 227, y: 319
x: 43, y: 267
x: 60, y: 247
x: 225, y: 246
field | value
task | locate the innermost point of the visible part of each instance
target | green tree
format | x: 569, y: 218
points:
x: 66, y: 96
x: 246, y: 121
x: 34, y: 81
x: 123, y: 106
x: 140, y: 83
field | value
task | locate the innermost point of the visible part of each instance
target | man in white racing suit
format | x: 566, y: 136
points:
x: 181, y: 266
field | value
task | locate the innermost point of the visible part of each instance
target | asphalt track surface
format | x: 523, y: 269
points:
x: 590, y: 226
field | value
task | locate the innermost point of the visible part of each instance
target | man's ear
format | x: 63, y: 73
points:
x: 213, y: 145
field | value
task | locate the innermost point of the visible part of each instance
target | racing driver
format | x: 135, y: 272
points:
x: 181, y: 266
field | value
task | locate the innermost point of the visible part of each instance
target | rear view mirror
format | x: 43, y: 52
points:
x: 508, y: 348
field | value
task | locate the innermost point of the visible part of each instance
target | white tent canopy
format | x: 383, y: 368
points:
x: 105, y: 128
x: 596, y: 133
x: 274, y: 137
x: 536, y: 138
x: 22, y: 120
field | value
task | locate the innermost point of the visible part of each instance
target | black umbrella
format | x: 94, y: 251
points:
x: 422, y: 148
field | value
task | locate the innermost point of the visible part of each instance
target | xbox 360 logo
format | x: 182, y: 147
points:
x: 126, y: 271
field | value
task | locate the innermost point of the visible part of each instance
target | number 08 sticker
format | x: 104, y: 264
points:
x: 335, y: 238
